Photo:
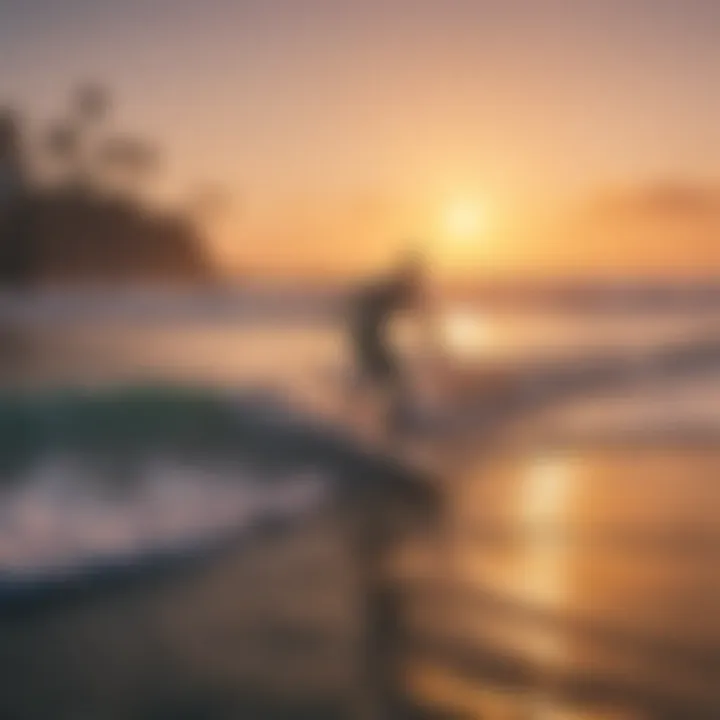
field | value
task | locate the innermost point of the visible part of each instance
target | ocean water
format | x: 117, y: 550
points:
x: 575, y: 574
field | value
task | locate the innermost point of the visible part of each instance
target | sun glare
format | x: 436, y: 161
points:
x: 464, y: 221
x: 467, y: 333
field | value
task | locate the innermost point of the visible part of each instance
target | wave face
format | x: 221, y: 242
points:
x: 90, y: 476
x: 116, y: 421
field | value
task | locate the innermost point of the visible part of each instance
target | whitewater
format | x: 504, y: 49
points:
x: 125, y: 416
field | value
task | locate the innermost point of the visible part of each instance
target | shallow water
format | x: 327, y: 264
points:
x: 590, y: 576
x: 569, y: 579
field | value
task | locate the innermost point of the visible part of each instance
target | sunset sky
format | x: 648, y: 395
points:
x: 508, y: 135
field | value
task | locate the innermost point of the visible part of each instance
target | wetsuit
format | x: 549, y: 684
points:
x: 373, y: 311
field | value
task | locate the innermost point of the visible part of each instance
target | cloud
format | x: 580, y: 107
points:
x: 661, y: 201
x: 670, y: 227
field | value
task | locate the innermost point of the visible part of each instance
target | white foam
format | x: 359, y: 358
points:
x: 62, y: 513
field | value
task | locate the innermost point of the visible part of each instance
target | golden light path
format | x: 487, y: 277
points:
x: 543, y: 504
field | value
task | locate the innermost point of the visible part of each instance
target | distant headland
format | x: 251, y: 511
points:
x: 74, y: 206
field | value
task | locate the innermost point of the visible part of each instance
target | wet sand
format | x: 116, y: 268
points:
x: 564, y: 586
x: 267, y: 630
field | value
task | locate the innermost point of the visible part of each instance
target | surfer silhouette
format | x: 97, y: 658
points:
x: 378, y: 367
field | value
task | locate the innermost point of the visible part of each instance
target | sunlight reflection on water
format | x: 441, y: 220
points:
x: 469, y: 333
x: 545, y: 499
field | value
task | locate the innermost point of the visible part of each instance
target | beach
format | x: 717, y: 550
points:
x: 566, y: 577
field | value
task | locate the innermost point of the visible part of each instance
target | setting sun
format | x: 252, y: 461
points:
x: 463, y: 221
x: 461, y: 229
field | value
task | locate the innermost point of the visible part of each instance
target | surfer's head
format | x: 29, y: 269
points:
x: 412, y: 263
x: 412, y: 267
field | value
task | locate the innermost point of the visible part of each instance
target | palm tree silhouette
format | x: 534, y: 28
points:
x: 128, y: 163
x: 91, y: 104
x: 70, y: 142
x: 63, y: 145
x: 91, y: 161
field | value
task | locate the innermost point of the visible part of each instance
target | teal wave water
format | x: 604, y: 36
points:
x: 90, y: 476
x: 123, y: 422
x: 117, y: 420
x: 87, y: 475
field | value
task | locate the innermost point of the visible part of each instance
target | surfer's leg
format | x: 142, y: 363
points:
x: 366, y: 394
x: 399, y: 416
